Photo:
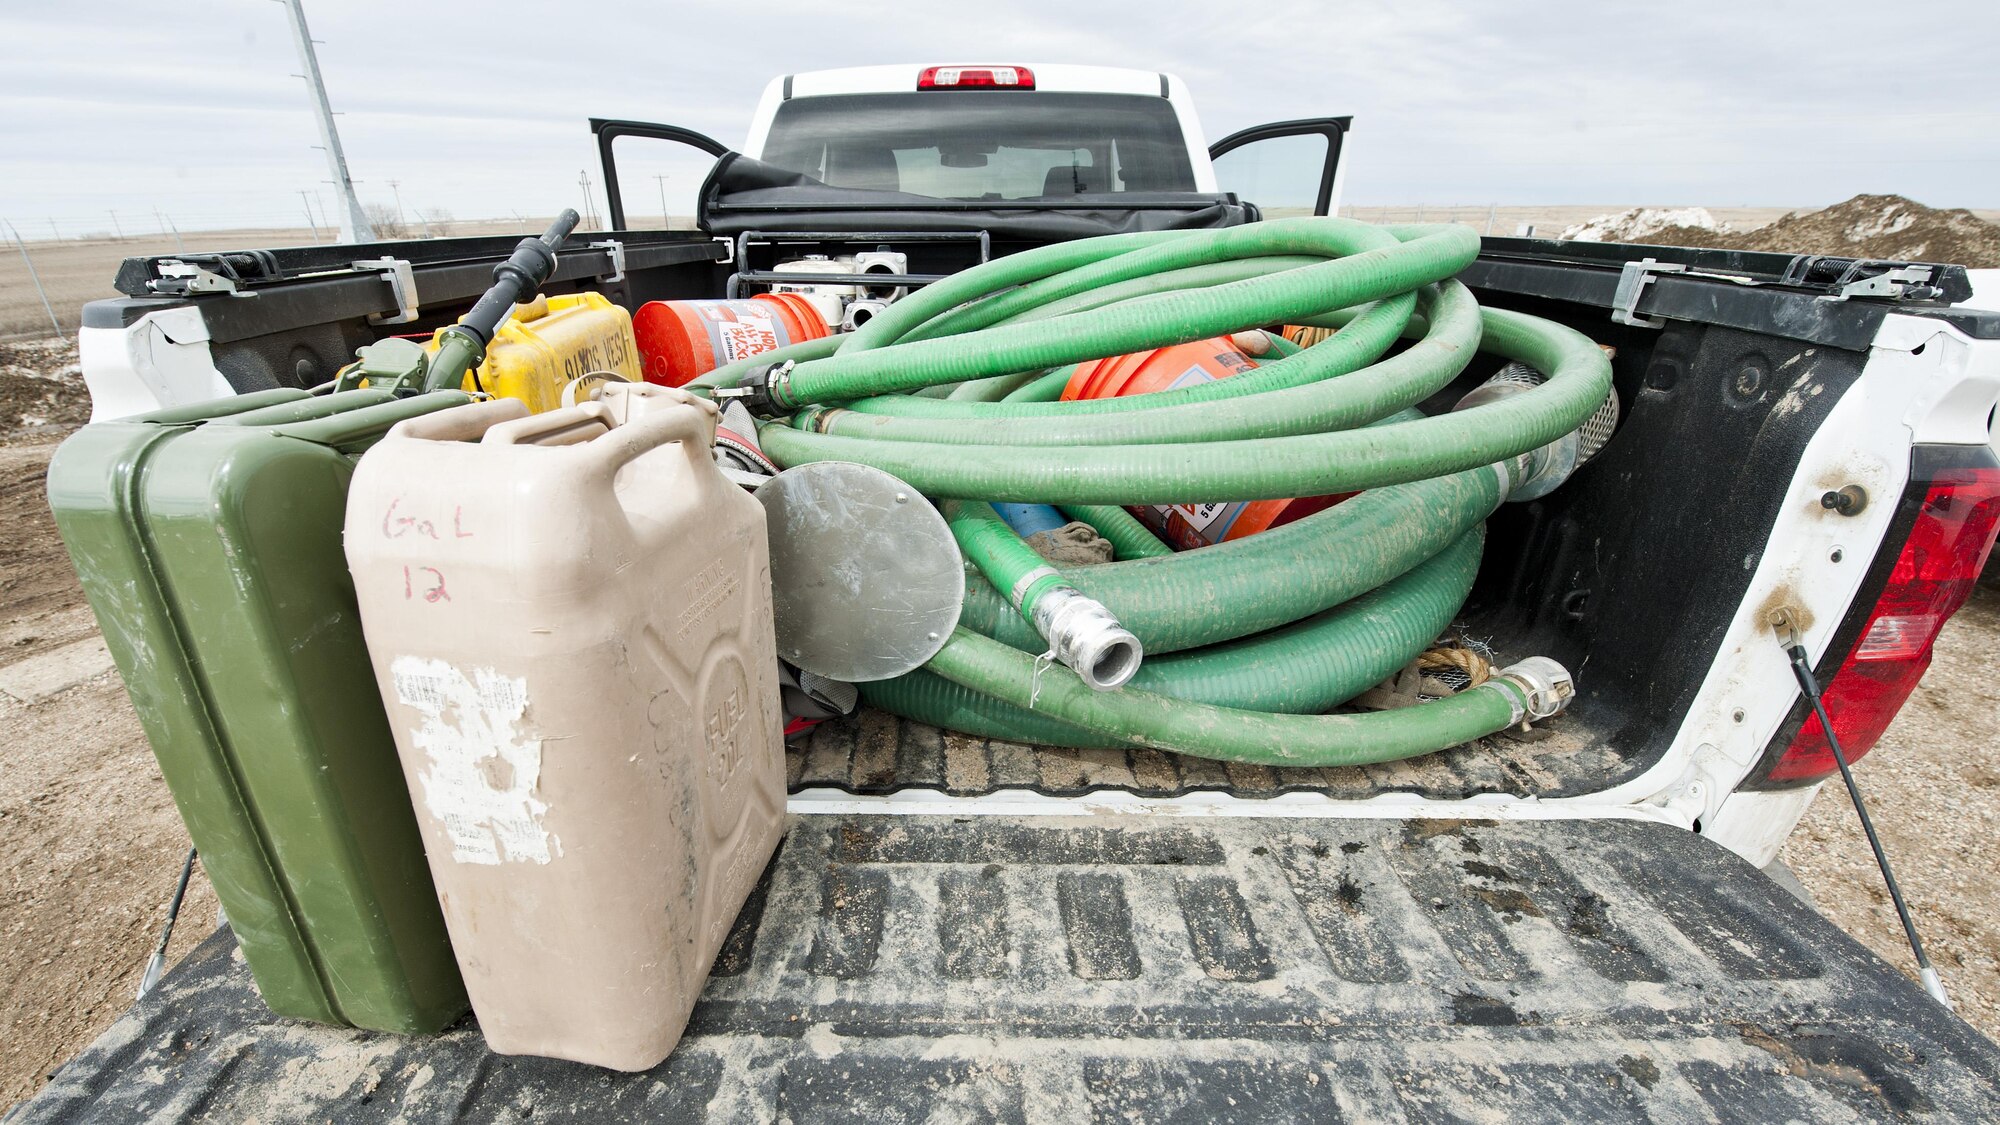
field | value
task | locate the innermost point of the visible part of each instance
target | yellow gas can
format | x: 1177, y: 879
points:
x: 550, y: 341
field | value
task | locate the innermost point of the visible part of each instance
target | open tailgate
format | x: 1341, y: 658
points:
x: 1161, y: 968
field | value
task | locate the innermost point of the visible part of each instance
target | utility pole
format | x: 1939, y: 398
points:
x: 115, y: 227
x: 589, y: 207
x: 53, y: 232
x: 396, y: 187
x: 37, y: 279
x: 354, y: 224
x: 309, y: 215
x: 666, y: 220
x: 167, y: 225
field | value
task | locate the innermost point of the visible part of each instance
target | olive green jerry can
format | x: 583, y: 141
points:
x: 208, y: 539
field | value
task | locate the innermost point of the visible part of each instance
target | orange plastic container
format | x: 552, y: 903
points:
x: 1162, y: 369
x: 1187, y: 526
x: 681, y: 340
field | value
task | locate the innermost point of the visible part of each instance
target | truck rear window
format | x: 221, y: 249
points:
x: 983, y: 144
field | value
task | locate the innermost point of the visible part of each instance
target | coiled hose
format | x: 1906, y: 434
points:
x: 1246, y: 642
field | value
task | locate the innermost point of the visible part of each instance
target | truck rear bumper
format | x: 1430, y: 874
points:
x: 1059, y: 968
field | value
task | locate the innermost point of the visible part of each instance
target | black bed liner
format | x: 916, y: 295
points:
x: 873, y: 753
x: 1159, y: 968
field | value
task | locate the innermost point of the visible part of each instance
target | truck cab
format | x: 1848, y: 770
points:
x: 977, y: 132
x: 1048, y: 134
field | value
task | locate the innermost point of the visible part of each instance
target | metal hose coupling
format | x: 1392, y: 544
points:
x: 762, y: 390
x: 1539, y: 471
x: 1088, y: 640
x: 1545, y: 684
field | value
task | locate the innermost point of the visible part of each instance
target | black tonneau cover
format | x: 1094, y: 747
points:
x: 1161, y: 968
x: 743, y: 194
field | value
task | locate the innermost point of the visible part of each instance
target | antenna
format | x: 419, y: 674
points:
x: 354, y: 226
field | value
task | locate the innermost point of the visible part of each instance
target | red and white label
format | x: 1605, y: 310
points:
x: 749, y: 334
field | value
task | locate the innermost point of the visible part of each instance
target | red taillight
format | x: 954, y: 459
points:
x: 1933, y: 576
x: 976, y: 77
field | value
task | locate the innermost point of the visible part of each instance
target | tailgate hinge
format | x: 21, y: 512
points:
x: 402, y: 285
x: 1632, y: 282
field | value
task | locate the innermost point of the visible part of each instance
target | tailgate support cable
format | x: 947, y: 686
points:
x: 1809, y: 684
x: 157, y: 964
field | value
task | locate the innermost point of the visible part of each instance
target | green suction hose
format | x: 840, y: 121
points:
x: 1141, y: 718
x: 1303, y: 668
x: 954, y: 389
x: 1079, y: 631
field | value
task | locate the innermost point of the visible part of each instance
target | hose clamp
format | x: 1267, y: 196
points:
x: 817, y: 419
x: 1027, y: 580
x: 1546, y: 686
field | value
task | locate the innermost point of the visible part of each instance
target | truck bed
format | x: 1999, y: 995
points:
x: 1626, y: 575
x: 1161, y: 968
x: 873, y: 753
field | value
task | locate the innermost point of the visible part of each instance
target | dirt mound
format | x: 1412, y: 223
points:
x: 41, y: 388
x: 1639, y: 224
x: 1867, y: 226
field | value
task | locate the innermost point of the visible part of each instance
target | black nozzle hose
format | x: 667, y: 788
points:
x: 462, y: 346
x: 516, y: 279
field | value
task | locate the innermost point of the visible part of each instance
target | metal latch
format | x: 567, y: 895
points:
x: 1632, y: 282
x: 185, y: 278
x: 617, y: 252
x: 1911, y: 282
x: 402, y: 285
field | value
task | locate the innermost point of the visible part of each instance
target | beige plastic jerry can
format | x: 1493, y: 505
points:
x: 569, y: 616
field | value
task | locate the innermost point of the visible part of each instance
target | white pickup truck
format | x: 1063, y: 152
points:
x: 1570, y: 925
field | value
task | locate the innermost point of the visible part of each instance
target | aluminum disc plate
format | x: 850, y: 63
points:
x: 866, y: 579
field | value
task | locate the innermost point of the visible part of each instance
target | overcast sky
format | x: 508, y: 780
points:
x: 479, y: 109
